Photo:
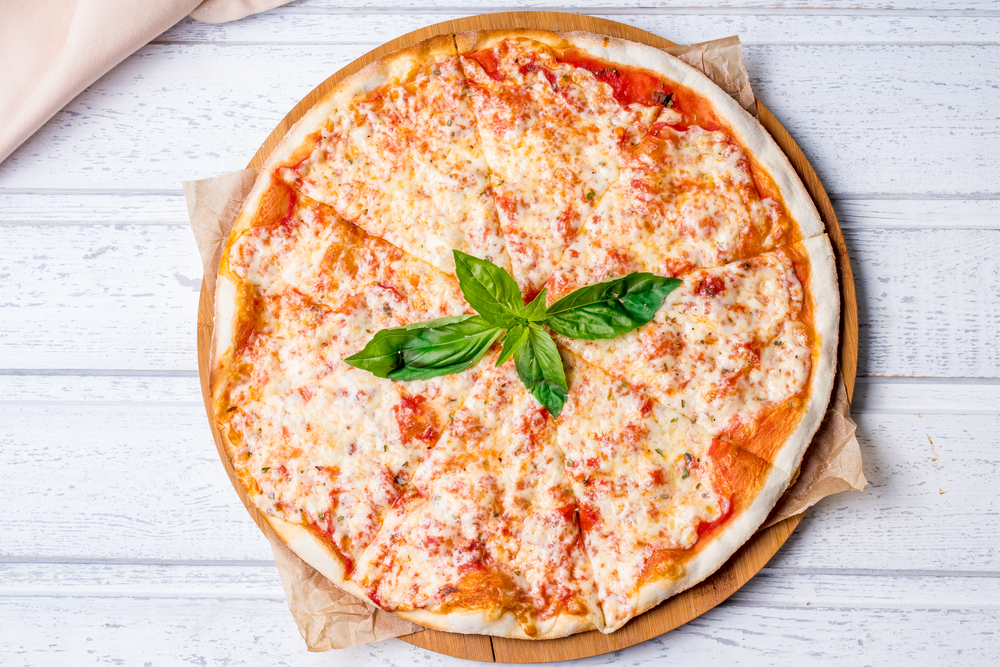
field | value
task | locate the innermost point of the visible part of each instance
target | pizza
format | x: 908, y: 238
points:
x: 459, y: 501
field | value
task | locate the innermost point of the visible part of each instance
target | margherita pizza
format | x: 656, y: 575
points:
x: 459, y: 502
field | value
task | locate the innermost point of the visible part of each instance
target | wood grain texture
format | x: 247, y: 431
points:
x: 856, y: 628
x: 742, y: 566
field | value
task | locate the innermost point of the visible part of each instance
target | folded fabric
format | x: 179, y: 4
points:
x: 51, y: 50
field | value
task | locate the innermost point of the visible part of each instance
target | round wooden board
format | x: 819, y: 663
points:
x: 755, y: 553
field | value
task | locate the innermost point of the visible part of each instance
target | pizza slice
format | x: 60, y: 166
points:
x: 688, y: 198
x: 322, y: 448
x: 556, y: 124
x: 742, y: 349
x: 394, y: 149
x: 662, y: 503
x: 486, y: 539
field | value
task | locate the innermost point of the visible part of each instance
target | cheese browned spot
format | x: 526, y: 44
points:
x: 555, y: 136
x: 403, y: 162
x: 490, y: 525
x: 317, y: 441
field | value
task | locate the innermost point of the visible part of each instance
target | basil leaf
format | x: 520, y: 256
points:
x: 512, y: 342
x: 535, y: 311
x: 383, y: 353
x: 445, y: 348
x: 540, y: 368
x: 489, y: 289
x: 610, y: 308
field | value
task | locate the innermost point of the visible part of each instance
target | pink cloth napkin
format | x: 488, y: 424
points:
x: 51, y: 50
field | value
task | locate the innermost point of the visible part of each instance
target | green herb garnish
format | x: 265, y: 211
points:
x: 453, y: 344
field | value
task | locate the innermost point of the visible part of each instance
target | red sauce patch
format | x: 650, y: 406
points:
x: 707, y: 526
x: 567, y: 511
x: 630, y: 85
x: 710, y: 286
x: 415, y: 421
x: 488, y: 61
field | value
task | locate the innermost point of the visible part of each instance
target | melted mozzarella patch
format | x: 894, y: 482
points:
x: 555, y: 138
x: 491, y: 503
x: 404, y: 163
x: 643, y: 477
x: 321, y: 442
x: 727, y: 344
x: 685, y: 200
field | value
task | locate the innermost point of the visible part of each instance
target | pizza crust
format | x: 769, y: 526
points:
x: 825, y: 293
x: 823, y: 287
x: 327, y: 562
x: 720, y: 549
x: 479, y: 623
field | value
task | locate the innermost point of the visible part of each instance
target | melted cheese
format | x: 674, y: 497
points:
x: 491, y: 503
x: 555, y: 138
x: 644, y: 478
x: 460, y: 493
x: 727, y: 344
x: 324, y: 443
x: 404, y: 163
x: 685, y: 200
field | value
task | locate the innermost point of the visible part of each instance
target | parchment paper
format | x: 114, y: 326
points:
x: 329, y: 618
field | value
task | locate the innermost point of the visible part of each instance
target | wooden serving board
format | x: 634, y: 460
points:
x: 746, y: 562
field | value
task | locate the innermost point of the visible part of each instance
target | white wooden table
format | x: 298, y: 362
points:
x: 121, y: 539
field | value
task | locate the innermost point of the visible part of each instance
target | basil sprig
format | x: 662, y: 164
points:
x: 452, y: 344
x: 610, y: 308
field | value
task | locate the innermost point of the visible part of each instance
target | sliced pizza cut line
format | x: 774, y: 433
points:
x: 662, y: 502
x: 489, y: 533
x: 314, y: 441
x: 687, y: 199
x: 742, y: 350
x: 702, y: 103
x: 556, y: 126
x: 394, y: 149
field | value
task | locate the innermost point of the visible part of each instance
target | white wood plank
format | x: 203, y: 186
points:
x: 116, y: 580
x: 93, y: 208
x: 168, y: 114
x: 925, y: 301
x: 918, y: 213
x: 874, y: 589
x: 290, y: 25
x: 931, y: 502
x: 938, y: 397
x: 80, y: 390
x: 865, y: 95
x: 107, y: 297
x: 60, y: 631
x: 74, y: 490
x: 109, y: 481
